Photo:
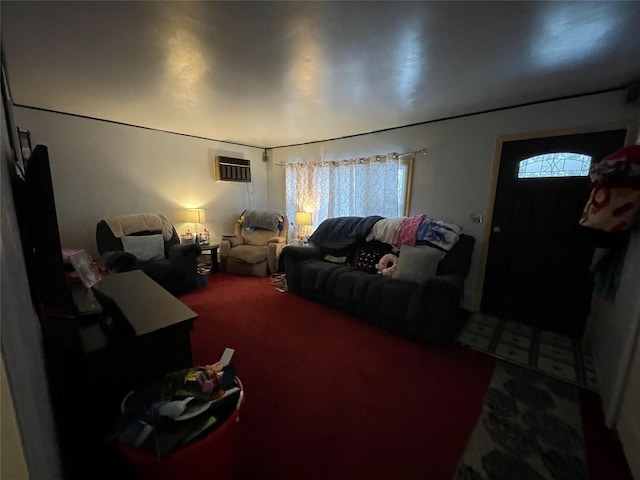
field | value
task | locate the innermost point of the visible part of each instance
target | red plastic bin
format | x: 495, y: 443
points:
x: 216, y: 453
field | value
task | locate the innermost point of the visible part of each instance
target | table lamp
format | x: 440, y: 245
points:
x: 303, y: 220
x: 195, y: 216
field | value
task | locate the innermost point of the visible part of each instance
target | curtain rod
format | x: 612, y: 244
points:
x: 422, y: 151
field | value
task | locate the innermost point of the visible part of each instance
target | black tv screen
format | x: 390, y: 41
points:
x: 36, y: 210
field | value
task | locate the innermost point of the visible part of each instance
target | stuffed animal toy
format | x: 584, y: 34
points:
x: 387, y: 264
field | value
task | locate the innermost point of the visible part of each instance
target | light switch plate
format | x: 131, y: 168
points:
x: 476, y: 217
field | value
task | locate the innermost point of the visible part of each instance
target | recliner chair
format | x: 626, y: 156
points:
x: 254, y: 248
x: 148, y: 242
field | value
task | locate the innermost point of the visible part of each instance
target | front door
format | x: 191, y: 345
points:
x: 538, y: 263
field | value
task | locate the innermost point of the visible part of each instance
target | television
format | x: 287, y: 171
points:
x: 38, y: 223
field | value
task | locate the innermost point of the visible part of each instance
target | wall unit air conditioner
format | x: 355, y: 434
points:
x: 233, y: 169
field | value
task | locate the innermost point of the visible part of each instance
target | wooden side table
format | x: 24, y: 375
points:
x: 212, y: 250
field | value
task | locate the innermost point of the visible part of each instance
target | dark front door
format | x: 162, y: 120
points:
x: 539, y: 257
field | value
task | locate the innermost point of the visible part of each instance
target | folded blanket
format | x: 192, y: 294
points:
x: 386, y: 230
x: 342, y: 232
x: 408, y: 231
x: 439, y: 234
x: 140, y: 222
x: 265, y: 219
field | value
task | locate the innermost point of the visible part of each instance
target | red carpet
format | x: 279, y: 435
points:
x: 329, y: 396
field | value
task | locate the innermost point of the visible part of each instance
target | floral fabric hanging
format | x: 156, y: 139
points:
x: 614, y: 202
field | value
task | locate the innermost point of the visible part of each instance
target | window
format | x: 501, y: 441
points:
x: 558, y: 164
x: 377, y: 185
x: 405, y: 170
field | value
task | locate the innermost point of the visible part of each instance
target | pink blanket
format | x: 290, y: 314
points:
x: 408, y: 231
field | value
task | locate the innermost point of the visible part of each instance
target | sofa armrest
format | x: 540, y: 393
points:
x: 274, y: 250
x: 227, y: 242
x: 277, y: 240
x: 230, y: 241
x: 441, y: 304
x: 292, y: 259
x: 296, y: 253
x: 448, y: 281
x: 179, y: 252
x: 184, y: 262
x: 223, y: 249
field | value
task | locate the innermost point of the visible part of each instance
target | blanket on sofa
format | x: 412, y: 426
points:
x: 123, y: 225
x: 417, y: 229
x: 439, y: 234
x: 342, y: 232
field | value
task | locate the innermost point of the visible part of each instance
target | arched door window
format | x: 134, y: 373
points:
x: 558, y: 164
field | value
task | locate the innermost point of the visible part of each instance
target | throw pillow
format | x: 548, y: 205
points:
x: 417, y: 264
x: 144, y: 247
x: 369, y: 254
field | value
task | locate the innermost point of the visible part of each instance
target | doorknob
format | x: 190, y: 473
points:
x: 497, y: 229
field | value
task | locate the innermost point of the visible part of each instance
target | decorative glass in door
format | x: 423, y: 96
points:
x: 558, y: 164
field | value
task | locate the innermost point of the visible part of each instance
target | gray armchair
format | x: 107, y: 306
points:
x: 127, y: 242
x: 254, y: 248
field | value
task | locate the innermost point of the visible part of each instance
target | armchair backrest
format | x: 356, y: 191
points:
x: 261, y: 236
x: 107, y: 241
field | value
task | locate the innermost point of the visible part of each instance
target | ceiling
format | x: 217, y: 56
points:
x: 278, y: 73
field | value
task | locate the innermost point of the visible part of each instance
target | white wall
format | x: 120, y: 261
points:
x: 628, y: 423
x: 454, y: 179
x: 614, y: 332
x: 12, y: 462
x: 628, y: 418
x: 101, y: 169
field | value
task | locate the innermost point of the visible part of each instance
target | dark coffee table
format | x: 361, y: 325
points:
x: 148, y: 307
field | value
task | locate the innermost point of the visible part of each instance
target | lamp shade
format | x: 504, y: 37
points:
x: 193, y: 215
x: 303, y: 218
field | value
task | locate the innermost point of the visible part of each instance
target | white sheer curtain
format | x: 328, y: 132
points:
x: 357, y: 187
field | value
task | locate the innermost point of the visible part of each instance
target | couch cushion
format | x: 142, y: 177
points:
x: 249, y: 253
x: 417, y: 264
x: 352, y: 285
x: 314, y: 274
x: 394, y: 301
x: 348, y: 290
x: 314, y: 277
x: 145, y: 247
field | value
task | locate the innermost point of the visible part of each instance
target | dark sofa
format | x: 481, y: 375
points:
x: 426, y: 312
